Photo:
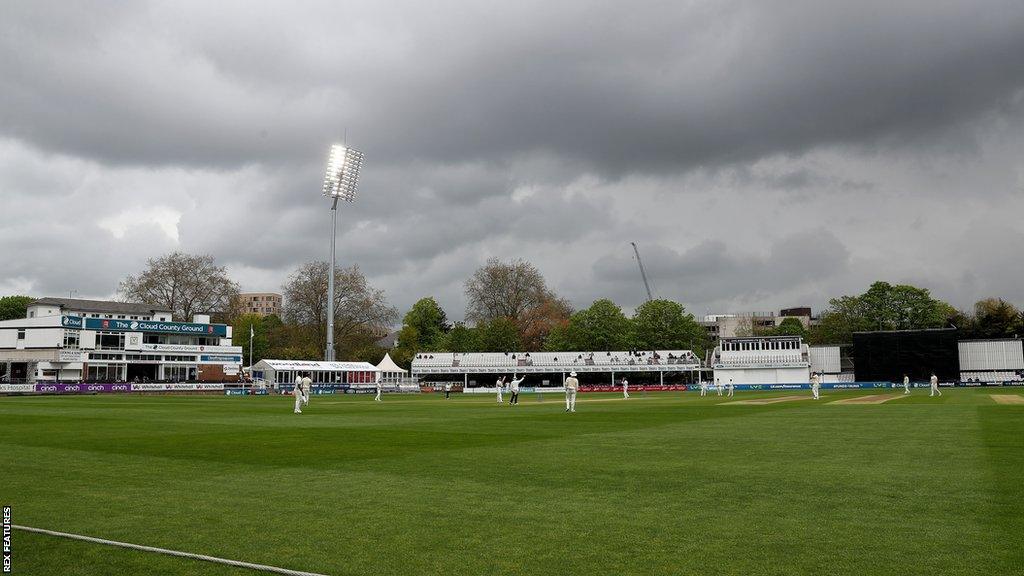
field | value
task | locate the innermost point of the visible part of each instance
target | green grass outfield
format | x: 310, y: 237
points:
x: 669, y: 483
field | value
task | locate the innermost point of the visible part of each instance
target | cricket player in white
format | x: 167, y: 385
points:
x: 732, y: 388
x: 499, y: 385
x: 307, y: 383
x: 718, y: 387
x: 513, y: 387
x: 703, y: 388
x: 572, y: 385
x: 379, y: 389
x: 906, y: 384
x: 625, y: 388
x: 297, y: 392
x: 935, y: 386
x: 815, y: 384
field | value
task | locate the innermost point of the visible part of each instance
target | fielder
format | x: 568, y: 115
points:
x: 499, y: 385
x: 307, y: 383
x: 732, y: 388
x: 379, y: 389
x: 718, y: 387
x: 625, y: 388
x: 703, y: 388
x: 572, y: 385
x: 447, y: 390
x: 297, y: 393
x: 514, y: 388
x: 906, y: 384
x: 815, y: 385
x: 935, y: 386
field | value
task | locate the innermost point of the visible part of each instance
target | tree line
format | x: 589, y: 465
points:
x: 508, y: 307
x: 189, y: 284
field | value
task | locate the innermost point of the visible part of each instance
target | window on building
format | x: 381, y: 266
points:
x: 179, y: 373
x: 109, y: 341
x: 71, y: 338
x: 32, y: 314
x: 21, y: 333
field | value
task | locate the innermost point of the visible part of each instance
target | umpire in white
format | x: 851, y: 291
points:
x: 572, y: 385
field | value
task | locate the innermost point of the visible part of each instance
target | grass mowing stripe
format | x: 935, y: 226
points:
x: 677, y: 485
x: 190, y: 555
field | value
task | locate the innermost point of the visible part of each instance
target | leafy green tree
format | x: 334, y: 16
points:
x: 603, y: 326
x: 665, y: 325
x: 790, y: 327
x: 424, y: 329
x: 14, y: 307
x: 558, y: 339
x: 408, y: 344
x: 499, y: 335
x: 369, y: 352
x: 462, y: 338
x: 955, y: 318
x: 240, y: 337
x: 288, y: 341
x: 883, y: 307
x: 902, y: 307
x: 430, y: 322
x: 996, y: 318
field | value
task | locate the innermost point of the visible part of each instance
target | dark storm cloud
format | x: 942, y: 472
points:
x: 625, y: 89
x: 762, y: 153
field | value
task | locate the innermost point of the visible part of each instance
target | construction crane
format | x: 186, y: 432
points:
x: 643, y: 273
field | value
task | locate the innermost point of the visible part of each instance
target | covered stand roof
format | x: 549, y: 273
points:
x: 104, y: 306
x: 388, y: 365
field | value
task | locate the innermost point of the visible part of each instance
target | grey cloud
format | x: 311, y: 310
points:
x: 763, y: 154
x: 624, y: 89
x: 713, y: 271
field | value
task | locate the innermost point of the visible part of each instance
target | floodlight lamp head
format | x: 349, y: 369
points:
x: 342, y: 173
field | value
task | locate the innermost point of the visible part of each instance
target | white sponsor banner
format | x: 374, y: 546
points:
x: 17, y: 388
x: 191, y: 348
x: 175, y: 386
x: 507, y: 390
x: 71, y: 356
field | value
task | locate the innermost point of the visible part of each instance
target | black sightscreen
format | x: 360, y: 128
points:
x: 887, y: 356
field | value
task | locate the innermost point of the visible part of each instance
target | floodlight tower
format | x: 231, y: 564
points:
x: 339, y: 184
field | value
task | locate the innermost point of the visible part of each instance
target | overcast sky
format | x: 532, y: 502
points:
x: 761, y: 154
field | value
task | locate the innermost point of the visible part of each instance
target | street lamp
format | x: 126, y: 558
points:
x: 339, y: 184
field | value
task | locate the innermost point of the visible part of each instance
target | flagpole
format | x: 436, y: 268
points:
x: 250, y: 354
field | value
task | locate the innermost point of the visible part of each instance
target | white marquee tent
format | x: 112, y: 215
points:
x: 389, y: 371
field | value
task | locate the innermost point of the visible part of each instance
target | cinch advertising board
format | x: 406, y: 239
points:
x: 54, y: 388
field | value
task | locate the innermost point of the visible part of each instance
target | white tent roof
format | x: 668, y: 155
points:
x: 317, y: 366
x: 388, y: 365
